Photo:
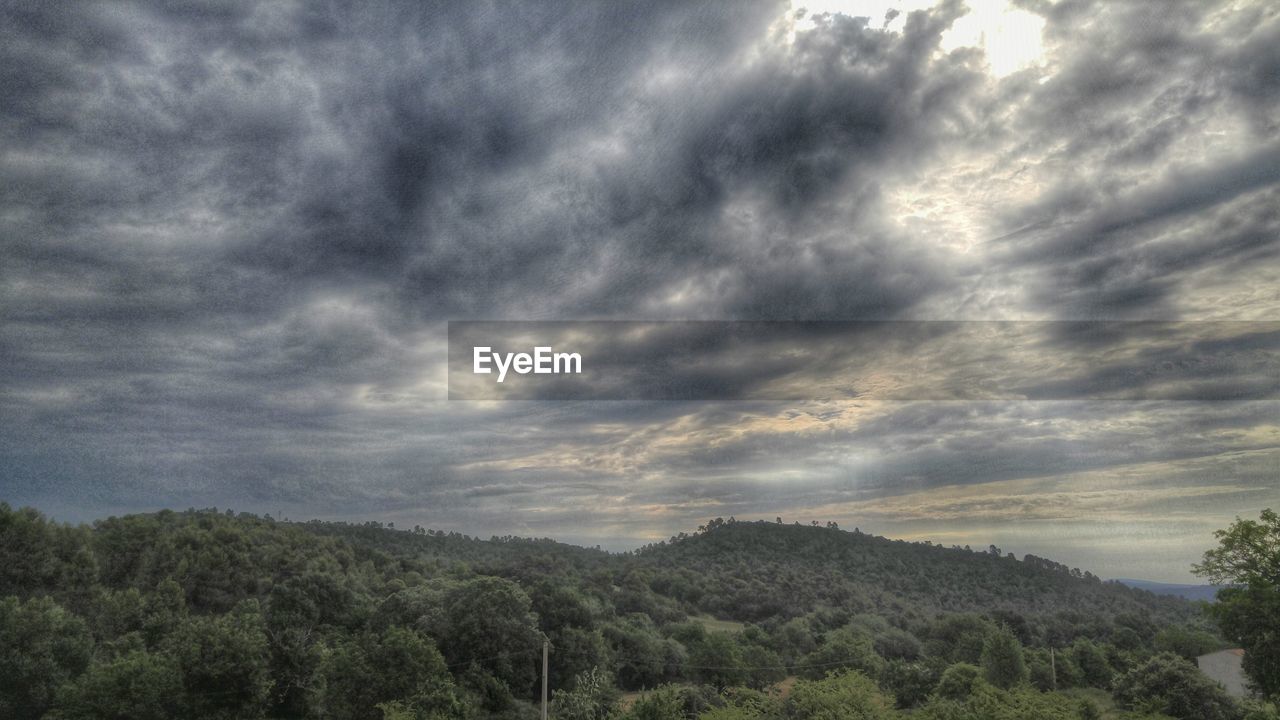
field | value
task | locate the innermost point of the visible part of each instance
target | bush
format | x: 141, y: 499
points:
x: 847, y: 696
x: 664, y: 703
x: 957, y: 682
x: 987, y: 702
x: 591, y: 698
x: 1258, y: 710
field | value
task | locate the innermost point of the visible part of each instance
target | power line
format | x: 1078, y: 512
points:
x: 623, y: 658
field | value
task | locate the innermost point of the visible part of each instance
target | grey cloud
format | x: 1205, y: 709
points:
x: 230, y: 235
x: 1145, y: 209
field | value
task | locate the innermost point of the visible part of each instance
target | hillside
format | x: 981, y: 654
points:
x: 333, y: 619
x: 758, y: 570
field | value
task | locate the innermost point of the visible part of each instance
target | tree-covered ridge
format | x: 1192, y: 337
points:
x: 757, y: 570
x: 223, y: 615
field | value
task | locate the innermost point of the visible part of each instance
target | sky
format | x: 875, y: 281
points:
x: 232, y: 235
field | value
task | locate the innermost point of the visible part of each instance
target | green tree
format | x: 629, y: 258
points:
x: 894, y: 644
x: 135, y: 686
x: 163, y: 611
x: 42, y: 646
x: 1248, y: 558
x: 716, y: 659
x: 38, y: 556
x: 298, y: 610
x: 224, y: 664
x: 489, y: 621
x: 1248, y: 553
x: 959, y: 638
x: 843, y: 649
x: 1002, y: 661
x: 909, y: 682
x: 1186, y: 642
x: 1091, y: 661
x: 643, y: 657
x: 396, y: 666
x: 1171, y: 685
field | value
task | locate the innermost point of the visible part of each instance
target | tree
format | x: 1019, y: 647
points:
x: 1091, y: 660
x: 1248, y: 558
x: 396, y: 666
x: 843, y: 649
x: 1248, y: 553
x: 489, y: 620
x: 717, y: 660
x: 1002, y: 661
x: 1186, y: 642
x: 27, y: 563
x: 894, y: 644
x: 224, y: 664
x: 960, y: 638
x: 642, y: 657
x: 136, y: 686
x: 1168, y: 684
x: 42, y: 646
x: 295, y: 612
x: 910, y: 682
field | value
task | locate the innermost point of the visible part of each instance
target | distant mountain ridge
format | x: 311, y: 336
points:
x: 1207, y: 593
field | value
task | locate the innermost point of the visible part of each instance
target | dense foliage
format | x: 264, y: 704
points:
x: 217, y: 615
x: 1248, y: 557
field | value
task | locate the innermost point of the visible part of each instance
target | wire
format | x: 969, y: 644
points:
x: 621, y: 659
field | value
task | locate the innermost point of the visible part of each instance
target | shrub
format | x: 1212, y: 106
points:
x: 847, y: 696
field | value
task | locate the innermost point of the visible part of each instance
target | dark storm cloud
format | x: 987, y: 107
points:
x: 251, y: 195
x: 230, y: 235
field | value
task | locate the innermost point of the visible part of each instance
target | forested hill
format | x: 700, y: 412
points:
x: 217, y: 614
x: 756, y: 570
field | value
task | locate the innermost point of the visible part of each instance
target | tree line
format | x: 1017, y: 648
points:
x: 216, y: 614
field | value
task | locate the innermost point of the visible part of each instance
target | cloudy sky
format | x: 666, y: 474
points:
x: 232, y: 234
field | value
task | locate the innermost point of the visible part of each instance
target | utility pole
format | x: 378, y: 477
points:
x: 1053, y: 668
x: 545, y: 646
